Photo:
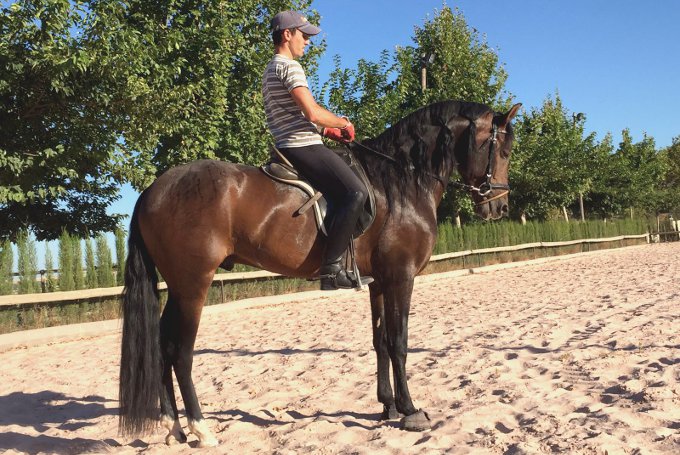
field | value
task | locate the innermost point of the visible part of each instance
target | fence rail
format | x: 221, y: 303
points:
x: 55, y: 298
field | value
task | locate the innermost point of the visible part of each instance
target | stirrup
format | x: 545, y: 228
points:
x: 342, y: 279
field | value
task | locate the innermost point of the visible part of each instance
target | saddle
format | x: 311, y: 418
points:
x: 281, y: 170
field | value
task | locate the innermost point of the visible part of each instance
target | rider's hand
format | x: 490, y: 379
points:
x: 347, y: 132
x: 333, y: 133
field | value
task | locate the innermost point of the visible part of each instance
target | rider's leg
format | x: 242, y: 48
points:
x: 347, y: 194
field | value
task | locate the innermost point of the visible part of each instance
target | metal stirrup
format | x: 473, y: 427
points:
x: 355, y: 267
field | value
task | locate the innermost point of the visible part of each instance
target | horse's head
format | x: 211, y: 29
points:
x: 485, y: 168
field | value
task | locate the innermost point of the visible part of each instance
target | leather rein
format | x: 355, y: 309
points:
x: 482, y: 190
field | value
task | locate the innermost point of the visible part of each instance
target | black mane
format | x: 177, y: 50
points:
x: 408, y: 143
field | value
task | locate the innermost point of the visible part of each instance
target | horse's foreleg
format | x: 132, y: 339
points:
x: 385, y: 393
x: 169, y: 334
x: 397, y: 307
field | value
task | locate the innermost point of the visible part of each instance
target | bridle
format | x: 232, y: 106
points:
x: 482, y: 190
x: 488, y: 186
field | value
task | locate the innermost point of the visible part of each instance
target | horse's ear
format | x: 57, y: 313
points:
x: 510, y: 114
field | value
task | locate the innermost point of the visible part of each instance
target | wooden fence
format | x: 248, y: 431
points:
x: 222, y: 279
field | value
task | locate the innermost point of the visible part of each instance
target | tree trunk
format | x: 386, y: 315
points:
x: 523, y: 218
x: 458, y: 223
x: 564, y: 211
x: 580, y: 204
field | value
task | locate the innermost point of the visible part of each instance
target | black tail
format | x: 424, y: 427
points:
x: 140, y: 360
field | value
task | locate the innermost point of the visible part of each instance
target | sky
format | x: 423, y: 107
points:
x: 616, y: 61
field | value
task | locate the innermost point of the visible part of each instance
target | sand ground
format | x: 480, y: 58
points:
x: 577, y: 356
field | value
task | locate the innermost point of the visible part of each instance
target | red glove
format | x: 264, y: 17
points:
x: 333, y: 133
x: 347, y: 132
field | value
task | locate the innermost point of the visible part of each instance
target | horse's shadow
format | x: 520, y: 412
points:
x: 48, y: 409
x: 348, y: 419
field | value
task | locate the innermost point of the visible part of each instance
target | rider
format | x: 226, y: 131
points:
x: 297, y: 123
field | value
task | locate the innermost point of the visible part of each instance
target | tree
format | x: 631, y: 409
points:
x: 187, y: 78
x: 104, y: 263
x: 27, y: 263
x: 551, y: 161
x: 464, y: 67
x: 90, y: 266
x: 50, y: 284
x: 642, y: 171
x: 120, y: 256
x: 55, y: 140
x: 99, y: 93
x: 603, y: 199
x: 6, y: 268
x: 66, y: 278
x: 671, y: 179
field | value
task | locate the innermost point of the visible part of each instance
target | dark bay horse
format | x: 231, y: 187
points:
x: 206, y: 214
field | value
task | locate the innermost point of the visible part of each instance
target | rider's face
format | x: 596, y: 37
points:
x: 298, y: 42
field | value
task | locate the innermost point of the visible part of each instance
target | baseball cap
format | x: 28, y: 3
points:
x: 292, y: 19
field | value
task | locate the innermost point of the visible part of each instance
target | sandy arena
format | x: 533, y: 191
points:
x: 576, y: 356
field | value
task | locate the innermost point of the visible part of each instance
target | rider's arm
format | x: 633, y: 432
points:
x: 315, y: 113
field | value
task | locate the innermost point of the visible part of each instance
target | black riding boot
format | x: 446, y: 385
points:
x: 333, y: 275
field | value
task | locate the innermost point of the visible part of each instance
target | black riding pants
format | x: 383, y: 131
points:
x: 344, y: 191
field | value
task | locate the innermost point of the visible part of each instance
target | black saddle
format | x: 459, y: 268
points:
x: 282, y: 171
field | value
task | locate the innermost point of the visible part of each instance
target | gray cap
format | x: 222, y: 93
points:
x: 292, y: 19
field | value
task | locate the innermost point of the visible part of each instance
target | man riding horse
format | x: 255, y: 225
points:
x: 297, y: 123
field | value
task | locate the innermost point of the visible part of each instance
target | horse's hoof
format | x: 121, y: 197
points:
x: 390, y: 413
x: 419, y: 421
x: 204, y: 435
x: 172, y: 439
x: 175, y: 434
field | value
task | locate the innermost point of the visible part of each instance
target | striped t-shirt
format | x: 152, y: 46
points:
x: 285, y: 119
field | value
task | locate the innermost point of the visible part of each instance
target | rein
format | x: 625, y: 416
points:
x: 392, y: 160
x: 482, y: 190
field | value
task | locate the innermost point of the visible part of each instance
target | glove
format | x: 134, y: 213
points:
x: 347, y: 132
x: 333, y: 133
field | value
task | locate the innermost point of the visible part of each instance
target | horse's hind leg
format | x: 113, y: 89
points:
x: 169, y: 344
x: 178, y: 335
x: 190, y: 310
x: 385, y: 394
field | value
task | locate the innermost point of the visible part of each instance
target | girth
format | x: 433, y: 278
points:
x: 281, y: 170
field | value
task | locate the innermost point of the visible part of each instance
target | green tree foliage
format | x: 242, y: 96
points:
x: 376, y: 94
x: 27, y: 264
x: 187, y: 77
x: 641, y: 171
x: 120, y: 256
x: 50, y: 284
x: 551, y: 160
x: 55, y: 137
x: 99, y: 93
x: 670, y: 185
x: 78, y: 273
x: 6, y: 268
x: 66, y: 261
x: 104, y: 263
x: 91, y: 281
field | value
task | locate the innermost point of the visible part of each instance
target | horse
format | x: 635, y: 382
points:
x: 207, y: 214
